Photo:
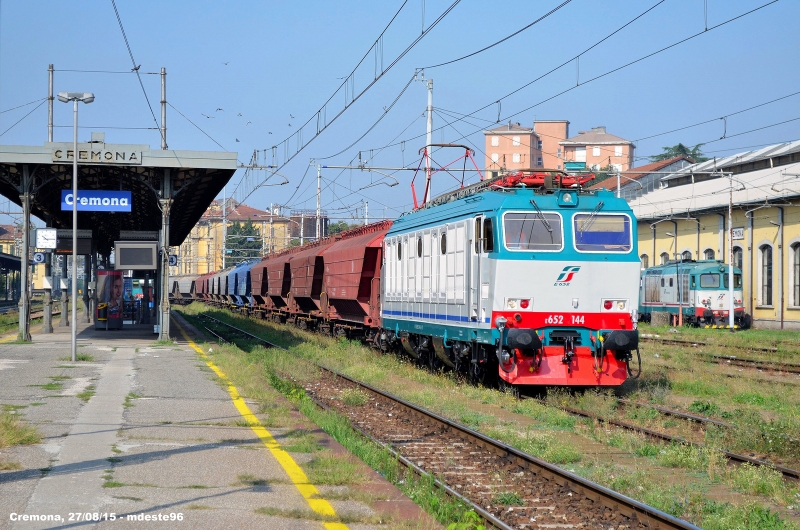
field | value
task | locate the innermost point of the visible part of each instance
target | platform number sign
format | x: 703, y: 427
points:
x: 38, y: 257
x: 173, y: 260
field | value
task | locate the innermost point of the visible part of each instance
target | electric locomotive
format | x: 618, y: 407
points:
x: 700, y: 290
x: 522, y: 279
x: 528, y: 278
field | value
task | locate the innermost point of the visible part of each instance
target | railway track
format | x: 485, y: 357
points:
x: 657, y: 435
x: 758, y: 364
x: 505, y: 487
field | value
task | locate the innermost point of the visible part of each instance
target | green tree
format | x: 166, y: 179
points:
x: 243, y: 242
x: 339, y: 227
x: 678, y: 150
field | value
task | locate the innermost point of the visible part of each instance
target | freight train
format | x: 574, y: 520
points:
x: 523, y: 279
x: 697, y: 289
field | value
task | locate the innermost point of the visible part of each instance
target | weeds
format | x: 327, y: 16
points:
x: 14, y: 432
x: 354, y: 397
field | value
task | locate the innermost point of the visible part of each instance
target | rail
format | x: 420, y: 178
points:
x: 612, y: 500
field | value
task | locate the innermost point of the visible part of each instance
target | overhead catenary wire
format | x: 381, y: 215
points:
x: 22, y: 118
x: 136, y: 70
x: 197, y: 126
x: 23, y: 105
x: 496, y: 101
x: 354, y: 98
x: 385, y: 112
x: 501, y: 40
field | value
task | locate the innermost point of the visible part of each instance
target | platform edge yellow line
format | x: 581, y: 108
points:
x: 292, y: 469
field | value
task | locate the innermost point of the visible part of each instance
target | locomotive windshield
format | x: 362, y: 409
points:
x: 709, y: 281
x: 737, y: 281
x: 602, y: 233
x: 526, y: 231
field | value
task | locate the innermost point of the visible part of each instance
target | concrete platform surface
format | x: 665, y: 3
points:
x: 146, y: 432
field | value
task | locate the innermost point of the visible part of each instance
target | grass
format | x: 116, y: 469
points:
x: 12, y: 408
x: 675, y: 379
x: 333, y: 470
x: 194, y: 506
x: 354, y: 397
x: 301, y: 441
x: 309, y: 515
x: 126, y: 498
x: 53, y: 386
x: 14, y: 432
x: 250, y: 480
x: 79, y: 357
x: 10, y: 466
x: 129, y: 399
x: 87, y: 394
x: 113, y: 484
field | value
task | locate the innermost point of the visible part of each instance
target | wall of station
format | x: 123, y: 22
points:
x: 766, y: 247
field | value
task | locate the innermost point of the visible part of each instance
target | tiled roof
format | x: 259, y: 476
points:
x: 9, y: 232
x: 236, y: 212
x: 597, y: 136
x: 635, y: 173
x: 509, y: 128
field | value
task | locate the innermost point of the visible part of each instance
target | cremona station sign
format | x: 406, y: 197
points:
x: 97, y: 201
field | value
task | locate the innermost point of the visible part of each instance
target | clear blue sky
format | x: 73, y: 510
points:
x: 285, y: 59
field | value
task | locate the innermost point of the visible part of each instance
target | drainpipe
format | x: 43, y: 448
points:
x: 722, y: 231
x: 750, y: 251
x: 780, y: 253
x: 697, y: 254
x: 654, y: 245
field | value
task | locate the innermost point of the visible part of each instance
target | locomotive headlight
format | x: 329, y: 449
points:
x: 512, y: 304
x: 621, y: 305
x: 522, y: 303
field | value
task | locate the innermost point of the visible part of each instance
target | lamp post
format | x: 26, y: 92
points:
x: 75, y: 97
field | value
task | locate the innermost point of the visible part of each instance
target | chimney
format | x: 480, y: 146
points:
x: 601, y: 129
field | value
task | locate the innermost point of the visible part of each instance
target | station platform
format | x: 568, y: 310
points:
x: 140, y: 433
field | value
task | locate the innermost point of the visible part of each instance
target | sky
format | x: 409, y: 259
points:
x: 246, y: 76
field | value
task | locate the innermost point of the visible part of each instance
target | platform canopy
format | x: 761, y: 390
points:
x: 190, y: 178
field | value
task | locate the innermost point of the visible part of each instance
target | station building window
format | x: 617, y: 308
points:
x: 708, y: 253
x: 765, y: 275
x: 687, y: 255
x: 738, y: 257
x: 664, y: 258
x: 495, y: 141
x: 515, y: 141
x: 645, y: 261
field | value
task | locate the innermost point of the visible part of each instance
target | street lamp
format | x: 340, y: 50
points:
x: 75, y: 97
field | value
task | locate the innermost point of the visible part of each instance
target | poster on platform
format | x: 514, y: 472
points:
x: 109, y: 299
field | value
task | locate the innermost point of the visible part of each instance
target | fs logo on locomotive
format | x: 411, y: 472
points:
x: 566, y: 276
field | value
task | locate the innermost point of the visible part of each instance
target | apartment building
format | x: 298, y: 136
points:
x: 514, y: 146
x: 599, y: 148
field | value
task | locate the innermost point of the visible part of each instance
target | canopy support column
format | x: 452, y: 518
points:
x: 165, y: 202
x: 25, y: 267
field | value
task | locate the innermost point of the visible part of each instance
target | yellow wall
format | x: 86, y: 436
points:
x: 760, y: 228
x: 201, y: 252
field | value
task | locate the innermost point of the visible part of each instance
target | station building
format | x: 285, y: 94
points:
x: 687, y: 218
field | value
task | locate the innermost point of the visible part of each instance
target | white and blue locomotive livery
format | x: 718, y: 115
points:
x: 518, y: 276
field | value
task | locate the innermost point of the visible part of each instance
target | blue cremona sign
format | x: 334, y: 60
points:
x: 97, y: 201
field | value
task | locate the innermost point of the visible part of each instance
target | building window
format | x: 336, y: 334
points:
x: 595, y: 151
x: 558, y: 154
x: 766, y: 275
x: 495, y: 157
x: 539, y: 144
x: 495, y: 141
x: 738, y: 257
x: 708, y: 254
x: 617, y: 150
x: 580, y: 154
x: 515, y: 158
x: 664, y: 258
x: 687, y: 255
x: 617, y: 167
x: 515, y: 141
x: 645, y: 261
x: 539, y: 161
x: 796, y: 274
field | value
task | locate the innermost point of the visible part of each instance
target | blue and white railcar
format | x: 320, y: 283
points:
x: 537, y: 285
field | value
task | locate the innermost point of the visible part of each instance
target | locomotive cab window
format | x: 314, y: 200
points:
x: 399, y: 250
x: 532, y: 231
x: 602, y: 233
x: 737, y: 281
x: 709, y: 281
x: 444, y: 243
x: 488, y: 238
